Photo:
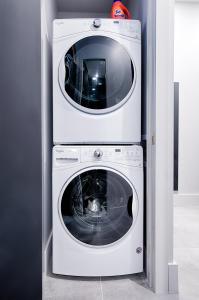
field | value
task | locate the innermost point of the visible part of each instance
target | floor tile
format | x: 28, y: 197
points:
x: 186, y: 252
x: 67, y: 288
x: 188, y: 260
x: 128, y: 289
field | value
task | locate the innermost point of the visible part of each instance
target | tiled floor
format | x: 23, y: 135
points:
x: 129, y: 288
x: 186, y: 250
x: 134, y: 287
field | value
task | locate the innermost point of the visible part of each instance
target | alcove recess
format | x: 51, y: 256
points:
x: 55, y: 9
x: 145, y: 11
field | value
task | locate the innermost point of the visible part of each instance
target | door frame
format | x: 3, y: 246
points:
x: 162, y: 272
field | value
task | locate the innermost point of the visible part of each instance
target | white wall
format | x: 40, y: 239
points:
x: 162, y: 148
x: 187, y: 74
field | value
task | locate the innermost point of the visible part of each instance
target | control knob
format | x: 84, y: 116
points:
x: 98, y: 153
x: 97, y: 23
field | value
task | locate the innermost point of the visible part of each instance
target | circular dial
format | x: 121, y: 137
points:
x: 98, y: 153
x: 97, y: 23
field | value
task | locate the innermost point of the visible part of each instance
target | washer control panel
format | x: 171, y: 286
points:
x: 128, y: 155
x: 131, y: 155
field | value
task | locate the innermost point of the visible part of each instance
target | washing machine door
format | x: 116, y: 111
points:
x: 98, y: 207
x: 97, y: 74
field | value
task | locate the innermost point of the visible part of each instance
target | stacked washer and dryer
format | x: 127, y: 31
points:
x: 97, y: 157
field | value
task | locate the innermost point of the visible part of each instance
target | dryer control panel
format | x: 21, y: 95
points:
x: 66, y: 27
x: 128, y: 155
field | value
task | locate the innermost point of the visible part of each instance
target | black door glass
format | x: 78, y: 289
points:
x: 98, y: 72
x: 96, y: 207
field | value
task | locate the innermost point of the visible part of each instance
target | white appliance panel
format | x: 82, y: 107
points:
x: 96, y: 108
x: 72, y: 256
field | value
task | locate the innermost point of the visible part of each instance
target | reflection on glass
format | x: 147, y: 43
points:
x: 96, y: 207
x: 98, y: 72
x: 94, y: 80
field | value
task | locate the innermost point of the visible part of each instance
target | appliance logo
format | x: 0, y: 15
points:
x: 59, y: 23
x: 59, y: 151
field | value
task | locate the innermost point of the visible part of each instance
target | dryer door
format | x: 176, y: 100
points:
x: 97, y: 74
x: 98, y: 207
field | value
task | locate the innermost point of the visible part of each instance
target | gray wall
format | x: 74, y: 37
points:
x: 20, y: 151
x: 99, y: 6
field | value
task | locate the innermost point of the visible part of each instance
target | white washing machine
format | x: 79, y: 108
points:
x: 97, y: 210
x: 96, y: 81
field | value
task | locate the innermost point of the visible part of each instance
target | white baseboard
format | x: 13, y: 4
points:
x: 185, y: 199
x: 173, y: 278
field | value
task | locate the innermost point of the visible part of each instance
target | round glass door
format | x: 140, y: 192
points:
x: 97, y: 74
x: 96, y: 207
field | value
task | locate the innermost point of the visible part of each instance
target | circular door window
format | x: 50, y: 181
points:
x: 97, y: 74
x: 98, y: 207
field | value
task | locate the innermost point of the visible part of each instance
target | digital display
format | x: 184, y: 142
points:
x: 117, y: 150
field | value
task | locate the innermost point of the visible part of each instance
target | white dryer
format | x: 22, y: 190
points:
x: 96, y: 81
x: 97, y: 210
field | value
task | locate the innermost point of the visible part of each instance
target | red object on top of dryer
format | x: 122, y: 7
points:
x: 119, y: 11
